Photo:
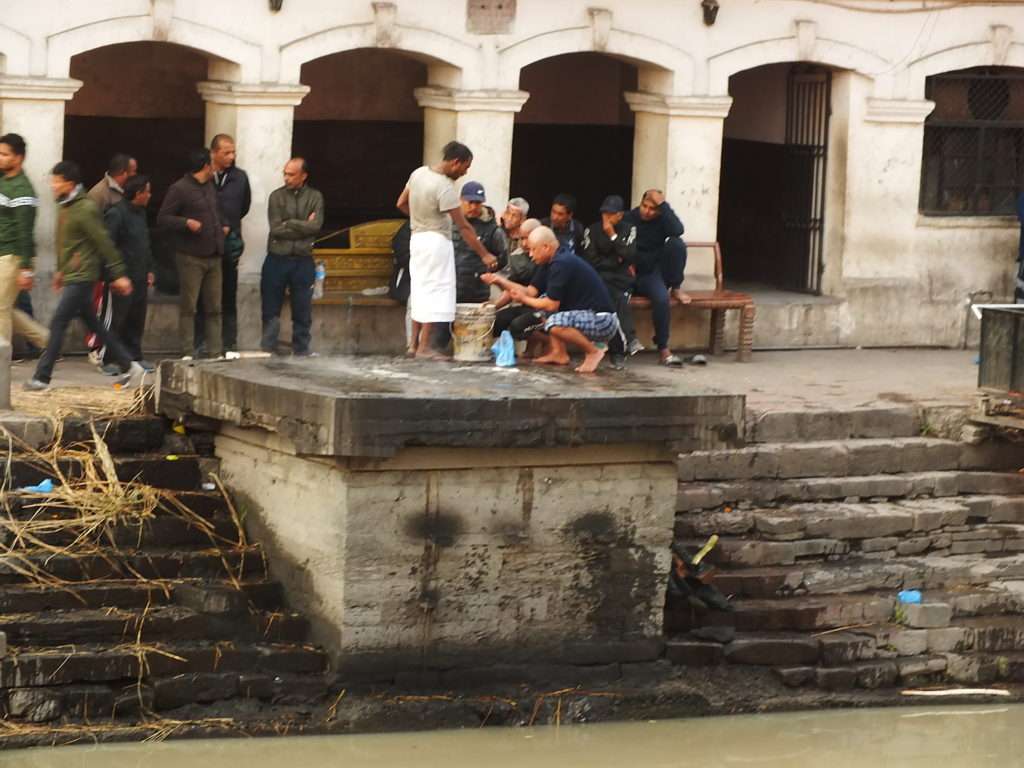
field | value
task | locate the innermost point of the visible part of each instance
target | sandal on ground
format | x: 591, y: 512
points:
x: 673, y: 361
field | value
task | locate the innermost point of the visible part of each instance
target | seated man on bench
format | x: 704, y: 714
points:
x: 660, y: 263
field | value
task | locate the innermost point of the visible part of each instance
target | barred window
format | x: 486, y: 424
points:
x: 974, y: 143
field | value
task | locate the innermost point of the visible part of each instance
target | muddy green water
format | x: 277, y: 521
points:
x: 951, y: 737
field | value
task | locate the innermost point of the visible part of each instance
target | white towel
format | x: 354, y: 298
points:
x: 431, y: 278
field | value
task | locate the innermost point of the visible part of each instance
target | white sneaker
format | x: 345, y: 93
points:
x: 95, y: 358
x: 134, y: 377
x: 634, y: 347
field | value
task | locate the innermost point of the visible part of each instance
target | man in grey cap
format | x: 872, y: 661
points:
x: 468, y: 264
x: 610, y: 247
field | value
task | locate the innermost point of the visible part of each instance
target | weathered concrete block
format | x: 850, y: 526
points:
x: 773, y: 651
x: 715, y: 634
x: 873, y: 457
x: 928, y: 455
x: 880, y: 544
x: 938, y: 484
x: 3, y: 644
x: 819, y: 548
x: 908, y: 642
x: 1003, y: 483
x: 878, y: 674
x: 758, y: 461
x: 211, y: 600
x: 778, y: 524
x: 928, y: 615
x: 971, y: 669
x: 735, y: 522
x: 694, y: 496
x: 836, y: 678
x: 795, y: 677
x: 949, y: 639
x: 909, y: 668
x: 692, y: 653
x: 841, y: 648
x: 992, y: 455
x: 823, y: 459
x: 755, y: 553
x: 914, y: 546
x: 895, y: 421
x: 36, y: 705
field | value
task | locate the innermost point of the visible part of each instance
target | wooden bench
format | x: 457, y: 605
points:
x: 704, y: 284
x: 357, y: 258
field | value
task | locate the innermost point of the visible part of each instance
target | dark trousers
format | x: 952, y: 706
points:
x: 625, y: 313
x: 294, y: 275
x: 228, y: 306
x: 129, y: 319
x: 76, y: 301
x: 671, y: 265
x: 200, y: 278
x: 519, y: 320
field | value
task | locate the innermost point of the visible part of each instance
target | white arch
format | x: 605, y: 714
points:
x: 425, y: 44
x: 637, y: 49
x: 833, y: 53
x: 15, y: 52
x: 212, y: 42
x: 962, y: 56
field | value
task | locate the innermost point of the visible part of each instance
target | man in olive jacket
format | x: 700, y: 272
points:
x: 191, y: 213
x: 83, y: 251
x: 296, y: 213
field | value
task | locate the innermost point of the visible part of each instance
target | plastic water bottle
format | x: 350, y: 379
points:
x: 318, y: 283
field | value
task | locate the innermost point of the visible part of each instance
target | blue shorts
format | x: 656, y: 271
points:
x: 596, y: 326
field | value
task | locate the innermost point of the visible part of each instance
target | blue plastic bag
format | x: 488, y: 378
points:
x: 504, y: 350
x: 909, y: 596
x: 46, y: 486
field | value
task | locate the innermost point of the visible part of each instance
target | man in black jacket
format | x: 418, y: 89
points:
x: 468, y: 265
x: 190, y: 212
x: 660, y: 263
x: 610, y: 247
x: 234, y: 196
x: 126, y: 223
x: 562, y: 222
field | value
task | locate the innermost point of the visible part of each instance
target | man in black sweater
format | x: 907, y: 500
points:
x: 563, y: 223
x: 660, y: 263
x: 610, y: 247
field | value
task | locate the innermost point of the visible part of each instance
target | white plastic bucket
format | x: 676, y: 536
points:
x: 471, y: 332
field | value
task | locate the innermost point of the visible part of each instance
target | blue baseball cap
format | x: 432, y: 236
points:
x: 473, y: 191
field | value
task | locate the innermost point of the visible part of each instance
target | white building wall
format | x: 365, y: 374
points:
x: 903, y: 278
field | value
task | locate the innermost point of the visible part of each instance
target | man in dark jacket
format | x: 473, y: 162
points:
x: 610, y: 247
x: 235, y: 197
x: 562, y: 222
x: 84, y: 252
x: 468, y: 265
x: 660, y: 263
x: 126, y: 223
x: 296, y: 213
x: 191, y: 213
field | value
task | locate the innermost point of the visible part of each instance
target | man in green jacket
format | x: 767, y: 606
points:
x: 296, y: 213
x: 83, y: 249
x: 18, y: 205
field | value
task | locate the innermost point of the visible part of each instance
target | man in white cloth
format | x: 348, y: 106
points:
x: 431, y: 202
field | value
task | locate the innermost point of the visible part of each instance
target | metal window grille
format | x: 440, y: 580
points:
x: 973, y: 163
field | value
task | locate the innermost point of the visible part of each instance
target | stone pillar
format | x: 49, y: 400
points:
x: 260, y: 118
x: 484, y: 121
x: 677, y: 147
x: 34, y: 108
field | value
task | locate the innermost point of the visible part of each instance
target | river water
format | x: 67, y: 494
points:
x: 951, y: 737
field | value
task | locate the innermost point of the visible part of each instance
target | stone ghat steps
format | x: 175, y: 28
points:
x: 161, y: 532
x: 245, y: 563
x: 169, y: 623
x: 783, y: 426
x: 815, y: 614
x: 912, y: 519
x: 697, y: 496
x: 136, y: 594
x: 127, y: 434
x: 837, y: 458
x: 127, y: 701
x: 22, y: 506
x: 168, y: 471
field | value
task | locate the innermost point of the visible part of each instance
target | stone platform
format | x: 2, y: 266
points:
x: 430, y: 516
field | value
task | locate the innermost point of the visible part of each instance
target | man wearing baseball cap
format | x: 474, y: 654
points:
x: 468, y: 264
x: 610, y: 247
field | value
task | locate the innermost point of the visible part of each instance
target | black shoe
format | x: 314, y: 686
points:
x: 617, y: 362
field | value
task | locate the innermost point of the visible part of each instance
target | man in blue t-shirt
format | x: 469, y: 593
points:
x: 579, y: 310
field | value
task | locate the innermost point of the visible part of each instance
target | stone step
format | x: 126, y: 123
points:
x: 91, y: 663
x: 870, y: 675
x: 853, y: 423
x: 205, y: 505
x: 170, y: 471
x: 156, y: 532
x: 128, y: 593
x: 169, y: 623
x: 694, y: 496
x: 886, y: 577
x: 122, y: 434
x: 244, y: 563
x: 831, y: 458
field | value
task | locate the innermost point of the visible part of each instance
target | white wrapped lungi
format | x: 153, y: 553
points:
x: 431, y: 278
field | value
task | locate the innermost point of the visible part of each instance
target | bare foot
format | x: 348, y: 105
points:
x: 591, y: 361
x: 552, y: 359
x: 431, y: 355
x: 410, y: 351
x: 682, y: 298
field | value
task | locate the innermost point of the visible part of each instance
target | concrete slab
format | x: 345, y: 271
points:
x: 374, y: 406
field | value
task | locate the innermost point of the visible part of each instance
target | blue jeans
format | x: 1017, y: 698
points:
x: 671, y: 264
x: 294, y: 274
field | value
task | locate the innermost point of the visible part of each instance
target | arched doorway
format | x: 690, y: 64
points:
x: 773, y: 190
x: 575, y: 133
x: 361, y: 131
